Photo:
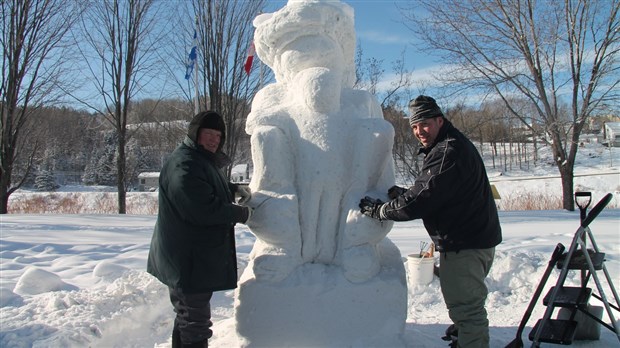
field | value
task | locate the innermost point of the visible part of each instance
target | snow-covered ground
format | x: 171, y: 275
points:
x: 80, y: 280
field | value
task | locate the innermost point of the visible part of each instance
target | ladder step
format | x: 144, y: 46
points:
x: 578, y: 261
x: 569, y: 297
x: 555, y: 331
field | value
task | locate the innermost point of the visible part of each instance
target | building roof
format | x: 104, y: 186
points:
x: 239, y: 169
x: 148, y: 175
x: 615, y: 126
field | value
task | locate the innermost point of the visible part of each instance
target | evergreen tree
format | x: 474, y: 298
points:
x: 101, y: 170
x: 137, y: 161
x: 44, y: 181
x: 107, y: 162
x: 89, y: 177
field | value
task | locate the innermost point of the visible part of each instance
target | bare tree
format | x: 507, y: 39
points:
x: 406, y: 147
x: 33, y: 59
x: 368, y: 73
x: 547, y: 52
x: 369, y: 76
x: 224, y: 33
x: 120, y: 41
x: 161, y: 131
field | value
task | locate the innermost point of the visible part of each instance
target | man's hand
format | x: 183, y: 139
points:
x: 241, y: 213
x: 395, y: 191
x: 244, y: 194
x: 371, y: 207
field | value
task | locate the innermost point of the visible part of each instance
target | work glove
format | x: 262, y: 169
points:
x: 395, y: 191
x: 371, y: 207
x: 241, y: 213
x: 243, y: 193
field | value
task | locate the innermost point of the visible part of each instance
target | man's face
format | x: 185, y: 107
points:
x: 209, y: 139
x: 426, y: 130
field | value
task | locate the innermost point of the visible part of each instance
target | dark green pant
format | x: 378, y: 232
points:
x: 462, y: 277
x: 193, y: 320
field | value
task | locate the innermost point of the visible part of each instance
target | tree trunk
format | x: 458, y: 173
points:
x: 511, y: 152
x: 120, y: 175
x: 568, y: 201
x: 493, y: 152
x: 4, y: 195
x: 505, y: 156
x: 535, y: 151
x: 565, y: 166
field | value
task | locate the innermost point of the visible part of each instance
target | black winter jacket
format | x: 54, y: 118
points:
x: 193, y: 244
x: 452, y: 196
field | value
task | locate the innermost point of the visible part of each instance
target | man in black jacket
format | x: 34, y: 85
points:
x: 453, y: 197
x: 193, y: 246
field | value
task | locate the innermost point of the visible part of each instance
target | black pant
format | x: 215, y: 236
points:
x: 193, y: 320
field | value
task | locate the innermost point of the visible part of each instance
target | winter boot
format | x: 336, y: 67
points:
x: 199, y: 344
x: 452, y: 335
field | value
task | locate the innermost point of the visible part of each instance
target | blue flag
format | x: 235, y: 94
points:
x: 191, y: 60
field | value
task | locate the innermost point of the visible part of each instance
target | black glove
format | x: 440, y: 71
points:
x: 395, y: 191
x: 371, y: 207
x: 241, y: 214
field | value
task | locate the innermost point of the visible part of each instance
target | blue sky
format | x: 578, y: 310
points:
x: 380, y: 31
x: 382, y: 35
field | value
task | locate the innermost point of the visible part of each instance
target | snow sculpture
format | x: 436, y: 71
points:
x: 318, y: 146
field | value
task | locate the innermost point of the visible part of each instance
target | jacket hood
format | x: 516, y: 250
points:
x: 207, y: 119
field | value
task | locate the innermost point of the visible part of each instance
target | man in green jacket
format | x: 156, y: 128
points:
x: 193, y: 246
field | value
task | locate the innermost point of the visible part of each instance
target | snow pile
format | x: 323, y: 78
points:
x: 37, y: 281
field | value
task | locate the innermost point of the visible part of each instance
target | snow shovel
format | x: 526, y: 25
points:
x: 518, y: 342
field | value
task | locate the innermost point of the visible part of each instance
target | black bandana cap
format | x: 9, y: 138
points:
x: 423, y: 107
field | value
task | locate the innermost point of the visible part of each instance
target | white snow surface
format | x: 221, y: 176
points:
x: 80, y: 280
x: 91, y: 288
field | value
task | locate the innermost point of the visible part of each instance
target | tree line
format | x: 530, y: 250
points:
x: 106, y: 55
x: 81, y: 147
x: 513, y: 69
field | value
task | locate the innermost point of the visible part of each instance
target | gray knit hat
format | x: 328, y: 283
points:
x: 423, y: 107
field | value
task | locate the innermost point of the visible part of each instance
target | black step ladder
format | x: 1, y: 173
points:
x: 575, y: 299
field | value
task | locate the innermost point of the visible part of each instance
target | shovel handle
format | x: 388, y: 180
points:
x: 557, y: 252
x: 596, y: 210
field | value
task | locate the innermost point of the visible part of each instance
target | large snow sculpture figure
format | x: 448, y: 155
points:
x: 318, y: 146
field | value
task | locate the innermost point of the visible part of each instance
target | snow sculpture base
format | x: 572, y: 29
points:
x: 316, y: 306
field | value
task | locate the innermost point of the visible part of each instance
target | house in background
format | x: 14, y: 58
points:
x: 611, y: 134
x: 240, y: 173
x: 148, y: 181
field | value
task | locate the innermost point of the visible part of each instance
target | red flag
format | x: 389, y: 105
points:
x: 250, y: 59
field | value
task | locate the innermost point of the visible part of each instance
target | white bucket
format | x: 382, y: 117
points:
x: 420, y: 269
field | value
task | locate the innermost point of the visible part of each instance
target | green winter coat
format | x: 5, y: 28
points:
x: 193, y: 244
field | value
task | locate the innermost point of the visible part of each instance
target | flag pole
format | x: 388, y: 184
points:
x: 196, y: 94
x: 191, y: 65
